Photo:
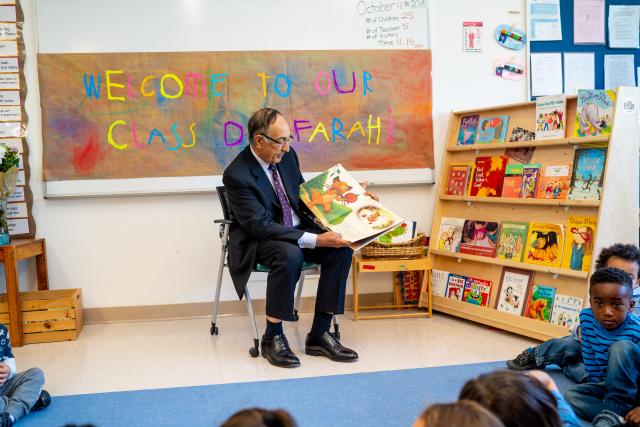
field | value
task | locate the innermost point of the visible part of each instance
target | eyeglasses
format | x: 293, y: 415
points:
x: 285, y: 140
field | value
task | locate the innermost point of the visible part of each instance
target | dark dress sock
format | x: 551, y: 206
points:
x: 273, y: 329
x: 321, y: 324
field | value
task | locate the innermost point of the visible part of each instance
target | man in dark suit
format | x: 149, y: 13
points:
x: 275, y: 229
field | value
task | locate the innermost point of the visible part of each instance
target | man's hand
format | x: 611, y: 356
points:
x: 633, y: 417
x: 374, y: 196
x: 331, y: 239
x: 4, y: 373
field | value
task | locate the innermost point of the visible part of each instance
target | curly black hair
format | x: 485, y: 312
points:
x: 619, y: 250
x: 611, y: 275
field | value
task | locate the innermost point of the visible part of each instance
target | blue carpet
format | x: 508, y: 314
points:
x: 388, y: 398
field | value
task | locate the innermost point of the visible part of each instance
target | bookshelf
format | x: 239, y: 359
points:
x: 617, y: 211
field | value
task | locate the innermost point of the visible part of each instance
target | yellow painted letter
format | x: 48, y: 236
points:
x: 264, y: 83
x: 142, y: 90
x: 319, y: 128
x: 110, y: 84
x: 177, y: 80
x: 110, y: 135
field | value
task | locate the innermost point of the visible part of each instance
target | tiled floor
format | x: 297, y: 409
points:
x: 143, y: 355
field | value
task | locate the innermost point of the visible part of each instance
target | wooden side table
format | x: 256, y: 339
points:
x: 378, y: 265
x: 10, y: 254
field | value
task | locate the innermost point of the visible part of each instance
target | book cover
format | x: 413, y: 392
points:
x: 520, y: 134
x: 566, y: 311
x: 488, y: 176
x: 455, y: 286
x: 578, y: 243
x: 588, y: 173
x: 477, y: 291
x: 450, y: 234
x: 594, y: 112
x: 404, y: 232
x: 513, y: 236
x: 514, y: 288
x: 529, y: 182
x: 459, y: 177
x: 468, y: 129
x: 520, y: 154
x: 551, y: 116
x: 492, y: 129
x: 479, y: 238
x: 544, y: 244
x: 512, y: 181
x: 439, y: 279
x: 540, y: 303
x: 554, y: 182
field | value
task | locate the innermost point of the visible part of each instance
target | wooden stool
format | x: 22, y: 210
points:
x: 10, y: 254
x: 378, y: 265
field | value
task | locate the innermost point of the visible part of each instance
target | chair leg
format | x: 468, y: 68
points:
x: 216, y: 301
x: 296, y: 303
x: 336, y: 327
x: 255, y: 350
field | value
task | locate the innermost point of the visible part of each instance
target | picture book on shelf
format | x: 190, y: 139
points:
x: 544, y: 244
x: 513, y: 236
x: 540, y: 303
x: 554, y: 182
x: 512, y: 181
x: 578, y: 243
x: 459, y: 178
x: 566, y: 311
x: 468, y: 129
x: 455, y: 286
x: 477, y: 291
x: 529, y: 182
x: 439, y: 279
x: 479, y: 238
x: 520, y: 154
x: 588, y: 173
x: 514, y: 288
x: 551, y: 116
x: 488, y: 176
x: 493, y: 129
x: 404, y: 232
x: 450, y: 234
x: 594, y: 112
x: 520, y: 134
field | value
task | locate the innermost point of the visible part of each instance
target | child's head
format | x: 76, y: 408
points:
x: 464, y: 413
x: 258, y: 417
x: 626, y: 257
x: 515, y: 397
x: 610, y: 291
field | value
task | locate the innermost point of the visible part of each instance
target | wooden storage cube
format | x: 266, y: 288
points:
x: 47, y: 316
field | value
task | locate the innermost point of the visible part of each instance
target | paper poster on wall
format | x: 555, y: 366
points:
x: 588, y: 21
x: 624, y: 24
x: 546, y: 74
x: 618, y: 71
x: 579, y: 72
x: 544, y: 20
x: 472, y: 36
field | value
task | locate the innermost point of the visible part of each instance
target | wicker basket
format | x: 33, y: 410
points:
x: 409, y: 249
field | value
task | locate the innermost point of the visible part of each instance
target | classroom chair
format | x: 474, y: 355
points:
x: 223, y: 233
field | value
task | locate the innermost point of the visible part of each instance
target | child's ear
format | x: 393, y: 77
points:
x: 632, y: 304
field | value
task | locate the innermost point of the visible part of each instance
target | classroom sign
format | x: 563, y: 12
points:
x: 136, y: 115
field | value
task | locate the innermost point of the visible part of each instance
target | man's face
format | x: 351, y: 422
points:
x: 625, y: 265
x: 266, y: 148
x: 610, y: 303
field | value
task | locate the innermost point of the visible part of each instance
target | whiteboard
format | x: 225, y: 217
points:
x: 80, y: 26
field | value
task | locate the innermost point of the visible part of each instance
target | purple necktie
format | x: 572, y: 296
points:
x: 282, y: 198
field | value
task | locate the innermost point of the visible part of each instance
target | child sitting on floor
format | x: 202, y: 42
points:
x: 464, y: 413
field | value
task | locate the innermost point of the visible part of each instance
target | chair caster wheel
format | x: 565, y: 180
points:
x: 214, y: 329
x: 295, y: 315
x: 254, y: 352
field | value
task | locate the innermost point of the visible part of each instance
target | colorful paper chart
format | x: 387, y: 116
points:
x: 510, y: 37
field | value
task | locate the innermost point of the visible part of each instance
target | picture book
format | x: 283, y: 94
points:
x: 340, y: 204
x: 544, y: 244
x: 493, y: 129
x: 594, y: 112
x: 488, y: 176
x: 404, y: 232
x: 512, y: 182
x: 407, y: 286
x: 540, y: 303
x: 551, y: 116
x: 588, y: 173
x: 450, y: 234
x: 477, y: 291
x: 511, y: 242
x: 459, y: 178
x: 554, y: 182
x: 520, y: 134
x: 514, y: 287
x: 578, y: 243
x: 439, y: 279
x: 520, y: 154
x: 566, y: 311
x: 468, y: 129
x: 529, y: 182
x: 479, y: 238
x: 455, y: 286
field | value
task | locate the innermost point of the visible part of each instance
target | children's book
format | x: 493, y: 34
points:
x: 512, y: 182
x: 513, y: 237
x: 520, y: 134
x: 520, y: 154
x: 468, y: 129
x: 479, y: 238
x: 450, y: 234
x: 404, y: 232
x: 554, y: 182
x: 544, y: 244
x: 459, y: 178
x: 540, y: 303
x: 578, y: 243
x: 340, y: 204
x: 551, y: 116
x: 588, y: 173
x: 493, y: 129
x: 455, y: 286
x: 439, y: 279
x: 594, y: 112
x: 477, y: 291
x: 514, y: 287
x: 488, y: 176
x: 529, y: 182
x: 566, y: 311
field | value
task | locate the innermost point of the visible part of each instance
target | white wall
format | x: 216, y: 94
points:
x: 147, y: 250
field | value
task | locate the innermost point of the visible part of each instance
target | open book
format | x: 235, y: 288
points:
x: 340, y: 204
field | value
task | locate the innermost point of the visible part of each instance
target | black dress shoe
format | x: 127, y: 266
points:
x: 327, y: 345
x: 276, y: 350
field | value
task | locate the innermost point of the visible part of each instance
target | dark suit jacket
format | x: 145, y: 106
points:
x: 258, y: 214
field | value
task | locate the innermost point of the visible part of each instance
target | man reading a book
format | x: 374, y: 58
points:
x: 273, y: 227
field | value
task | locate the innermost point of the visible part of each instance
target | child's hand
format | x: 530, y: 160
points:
x: 544, y: 378
x: 633, y: 417
x: 5, y: 371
